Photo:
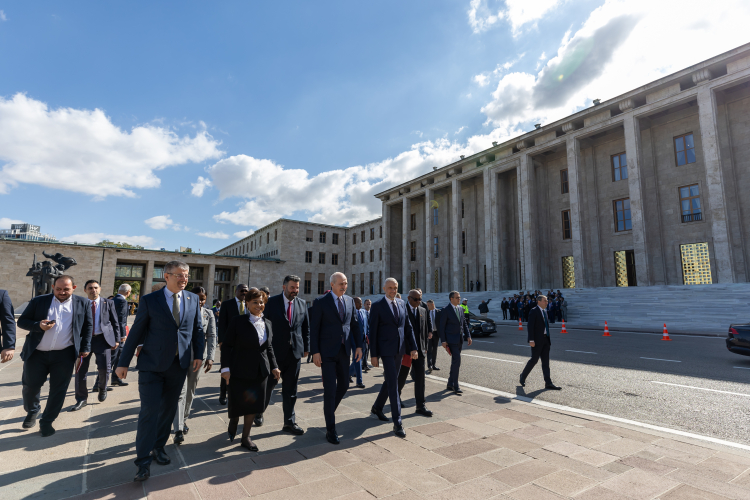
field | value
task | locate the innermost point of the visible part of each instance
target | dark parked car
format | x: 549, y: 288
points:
x: 738, y: 341
x: 481, y: 327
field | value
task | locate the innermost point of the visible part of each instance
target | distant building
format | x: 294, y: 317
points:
x: 24, y: 231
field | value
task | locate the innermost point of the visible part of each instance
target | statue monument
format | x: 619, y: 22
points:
x: 45, y: 272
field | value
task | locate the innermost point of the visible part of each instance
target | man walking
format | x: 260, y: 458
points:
x: 168, y: 327
x: 484, y: 308
x: 420, y: 325
x: 434, y: 342
x: 60, y: 326
x: 121, y: 307
x: 7, y: 328
x: 230, y: 308
x: 291, y: 341
x: 454, y: 329
x: 365, y: 325
x: 105, y: 339
x: 539, y: 340
x: 332, y: 320
x: 391, y: 337
x: 355, y: 369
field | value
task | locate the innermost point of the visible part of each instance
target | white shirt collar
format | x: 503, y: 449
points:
x: 66, y: 301
x: 169, y: 293
x: 286, y: 301
x: 254, y: 318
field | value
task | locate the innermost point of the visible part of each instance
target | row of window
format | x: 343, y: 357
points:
x: 335, y: 236
x: 253, y: 244
x: 323, y: 283
x: 335, y: 257
x: 363, y: 233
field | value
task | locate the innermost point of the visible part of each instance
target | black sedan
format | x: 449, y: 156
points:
x: 481, y: 327
x: 738, y: 341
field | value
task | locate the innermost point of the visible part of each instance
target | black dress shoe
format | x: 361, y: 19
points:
x: 121, y: 383
x: 258, y: 420
x: 293, y: 429
x: 109, y: 389
x: 398, y: 430
x: 457, y: 391
x: 361, y: 386
x: 30, y: 420
x: 379, y: 413
x: 435, y: 368
x: 179, y: 437
x: 222, y: 400
x: 428, y: 371
x: 185, y: 429
x: 423, y: 411
x: 76, y: 407
x: 160, y: 457
x: 552, y: 387
x: 46, y: 429
x: 449, y: 387
x: 332, y: 438
x: 143, y: 473
x: 351, y: 380
x: 102, y: 395
x: 522, y: 381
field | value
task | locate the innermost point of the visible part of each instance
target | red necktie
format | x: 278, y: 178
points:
x: 289, y: 312
x: 93, y: 314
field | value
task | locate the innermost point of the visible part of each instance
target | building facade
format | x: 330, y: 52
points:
x: 28, y: 232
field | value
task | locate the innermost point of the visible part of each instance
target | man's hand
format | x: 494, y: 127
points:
x: 208, y: 365
x: 121, y: 372
x: 445, y: 345
x: 374, y: 362
x: 6, y: 355
x: 85, y: 354
x: 414, y: 355
x: 138, y: 350
x: 45, y: 324
x: 429, y: 336
x: 305, y: 354
x: 115, y: 346
x: 220, y: 344
x: 469, y: 341
x: 358, y: 354
x: 316, y: 360
x: 531, y: 343
x: 225, y: 376
x: 197, y: 363
x: 276, y: 373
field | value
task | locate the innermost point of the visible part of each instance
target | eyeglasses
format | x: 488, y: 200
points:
x: 180, y: 276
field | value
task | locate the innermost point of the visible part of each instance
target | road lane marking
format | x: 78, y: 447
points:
x: 658, y: 359
x: 556, y: 406
x: 583, y: 352
x: 493, y: 359
x: 484, y: 341
x: 742, y: 367
x: 521, y: 345
x: 702, y: 389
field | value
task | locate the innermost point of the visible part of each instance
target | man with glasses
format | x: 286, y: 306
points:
x: 230, y: 309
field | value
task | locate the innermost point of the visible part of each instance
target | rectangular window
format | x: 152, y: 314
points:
x: 362, y: 283
x: 309, y: 235
x: 334, y: 259
x: 363, y: 236
x: 354, y: 258
x: 435, y: 246
x: 372, y: 255
x: 566, y: 224
x: 335, y: 238
x: 622, y: 215
x: 268, y: 238
x: 696, y: 264
x: 321, y: 284
x: 362, y: 257
x: 275, y: 235
x: 372, y: 233
x: 463, y: 241
x: 252, y: 245
x: 619, y: 167
x: 684, y: 149
x: 371, y: 288
x: 435, y: 216
x: 462, y: 208
x: 322, y: 238
x: 690, y: 203
x: 413, y: 249
x: 381, y: 231
x: 308, y: 257
x: 308, y: 284
x: 564, y: 180
x: 380, y: 278
x: 413, y: 222
x: 354, y: 238
x: 380, y: 251
x: 321, y: 258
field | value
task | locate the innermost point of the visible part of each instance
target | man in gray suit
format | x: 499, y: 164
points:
x: 106, y: 338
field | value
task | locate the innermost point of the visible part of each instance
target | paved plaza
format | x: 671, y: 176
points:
x: 477, y: 446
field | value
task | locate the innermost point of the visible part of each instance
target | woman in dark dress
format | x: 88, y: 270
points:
x: 247, y: 354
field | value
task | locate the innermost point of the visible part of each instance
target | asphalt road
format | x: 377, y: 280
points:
x: 692, y: 383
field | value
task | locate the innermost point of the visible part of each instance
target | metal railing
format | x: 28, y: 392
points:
x: 692, y: 217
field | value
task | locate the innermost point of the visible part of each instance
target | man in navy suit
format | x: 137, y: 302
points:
x: 333, y: 319
x: 391, y: 337
x: 7, y: 327
x: 291, y: 341
x: 122, y: 307
x: 60, y: 327
x: 454, y: 329
x: 538, y: 338
x: 168, y: 326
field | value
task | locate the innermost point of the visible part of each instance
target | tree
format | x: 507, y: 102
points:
x: 108, y: 243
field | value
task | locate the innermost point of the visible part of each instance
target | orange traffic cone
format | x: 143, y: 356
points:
x: 520, y: 326
x: 665, y: 334
x: 564, y: 330
x: 606, y: 330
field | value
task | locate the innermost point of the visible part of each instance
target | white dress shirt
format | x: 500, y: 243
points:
x: 97, y: 315
x: 60, y: 335
x: 180, y: 297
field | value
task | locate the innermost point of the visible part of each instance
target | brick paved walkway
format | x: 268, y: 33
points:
x: 476, y: 446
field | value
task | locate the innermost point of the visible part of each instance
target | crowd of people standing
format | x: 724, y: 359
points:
x: 518, y: 307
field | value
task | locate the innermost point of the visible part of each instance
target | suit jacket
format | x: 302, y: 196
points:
x: 109, y: 322
x: 420, y: 324
x: 536, y: 328
x: 154, y: 328
x: 434, y: 316
x: 122, y: 308
x: 7, y: 322
x: 288, y: 340
x: 451, y: 326
x: 241, y: 352
x: 326, y: 328
x: 208, y: 323
x: 38, y: 309
x: 229, y: 310
x: 390, y: 336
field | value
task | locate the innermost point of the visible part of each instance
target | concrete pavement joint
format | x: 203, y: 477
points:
x: 659, y: 359
x: 84, y: 472
x: 596, y: 415
x: 702, y: 388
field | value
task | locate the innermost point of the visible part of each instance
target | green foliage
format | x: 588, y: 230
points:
x: 107, y: 243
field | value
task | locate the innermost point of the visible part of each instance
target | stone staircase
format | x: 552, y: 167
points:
x: 705, y: 309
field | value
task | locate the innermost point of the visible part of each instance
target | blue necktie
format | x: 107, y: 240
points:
x: 546, y: 323
x: 395, y: 311
x: 342, y: 313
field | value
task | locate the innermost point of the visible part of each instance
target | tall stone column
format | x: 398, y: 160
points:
x: 148, y: 278
x: 428, y: 278
x: 526, y: 228
x: 209, y: 281
x: 574, y: 150
x: 724, y: 270
x: 489, y: 240
x: 386, y: 264
x: 405, y: 254
x: 633, y: 152
x: 494, y: 228
x: 456, y: 273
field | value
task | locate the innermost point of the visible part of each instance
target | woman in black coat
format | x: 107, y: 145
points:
x: 247, y: 354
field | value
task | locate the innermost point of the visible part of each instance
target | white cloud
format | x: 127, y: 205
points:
x: 200, y: 186
x: 243, y: 234
x: 218, y: 235
x: 6, y: 222
x: 517, y: 12
x: 3, y: 17
x: 482, y: 79
x: 164, y: 222
x: 92, y: 238
x: 57, y: 148
x: 459, y: 130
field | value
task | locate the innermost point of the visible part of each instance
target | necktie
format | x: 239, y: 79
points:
x: 340, y: 305
x: 395, y: 311
x: 289, y: 313
x: 458, y: 314
x: 546, y: 324
x: 93, y: 314
x: 176, y: 308
x: 242, y: 307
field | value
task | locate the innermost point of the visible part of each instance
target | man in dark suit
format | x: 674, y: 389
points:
x: 364, y: 313
x: 7, y: 328
x: 391, y: 337
x: 355, y: 368
x: 538, y: 337
x: 434, y: 342
x: 105, y: 339
x: 291, y: 341
x: 420, y: 324
x: 168, y: 327
x: 454, y: 329
x: 60, y: 327
x: 121, y: 307
x: 229, y: 309
x: 333, y: 318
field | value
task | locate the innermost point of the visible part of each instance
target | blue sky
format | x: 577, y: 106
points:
x: 192, y: 123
